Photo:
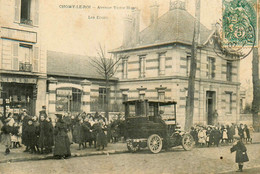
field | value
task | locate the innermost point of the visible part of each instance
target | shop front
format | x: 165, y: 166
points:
x: 17, y: 94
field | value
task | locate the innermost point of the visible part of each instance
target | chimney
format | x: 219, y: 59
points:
x: 136, y: 25
x: 127, y: 30
x: 154, y: 9
x: 177, y: 4
x: 131, y: 28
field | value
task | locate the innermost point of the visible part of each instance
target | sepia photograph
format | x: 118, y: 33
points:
x: 129, y: 87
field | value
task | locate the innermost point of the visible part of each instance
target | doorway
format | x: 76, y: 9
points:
x: 210, y: 106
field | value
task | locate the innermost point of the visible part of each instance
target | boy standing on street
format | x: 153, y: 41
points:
x: 241, y: 155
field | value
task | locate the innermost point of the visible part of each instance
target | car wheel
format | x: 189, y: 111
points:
x: 154, y: 143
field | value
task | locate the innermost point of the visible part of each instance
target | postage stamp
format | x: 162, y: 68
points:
x: 239, y: 23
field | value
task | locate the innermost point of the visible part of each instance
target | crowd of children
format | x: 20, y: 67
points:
x: 33, y: 132
x: 224, y: 134
x: 37, y: 134
x: 86, y: 129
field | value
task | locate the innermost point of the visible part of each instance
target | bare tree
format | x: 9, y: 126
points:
x: 106, y: 66
x: 193, y: 67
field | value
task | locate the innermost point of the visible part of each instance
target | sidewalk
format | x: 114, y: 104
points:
x: 18, y: 155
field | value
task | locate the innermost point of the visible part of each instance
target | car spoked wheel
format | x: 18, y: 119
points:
x: 132, y: 147
x: 154, y: 143
x: 187, y: 142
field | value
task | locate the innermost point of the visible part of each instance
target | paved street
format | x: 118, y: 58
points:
x: 199, y: 160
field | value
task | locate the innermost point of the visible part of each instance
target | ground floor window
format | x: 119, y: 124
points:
x: 68, y: 100
x: 102, y: 98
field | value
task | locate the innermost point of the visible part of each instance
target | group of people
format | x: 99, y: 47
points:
x: 235, y: 134
x: 40, y: 134
x: 36, y: 134
x: 86, y: 129
x: 213, y: 135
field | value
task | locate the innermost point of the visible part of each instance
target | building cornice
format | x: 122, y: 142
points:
x: 119, y: 50
x: 178, y: 78
x: 13, y: 72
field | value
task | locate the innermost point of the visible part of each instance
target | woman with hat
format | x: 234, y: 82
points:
x: 241, y: 155
x: 61, y: 140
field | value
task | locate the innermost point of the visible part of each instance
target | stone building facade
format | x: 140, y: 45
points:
x: 158, y: 62
x: 75, y: 86
x: 22, y: 57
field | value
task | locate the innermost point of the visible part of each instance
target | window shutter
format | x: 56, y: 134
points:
x: 36, y: 13
x: 17, y: 12
x: 36, y: 59
x: 15, y: 56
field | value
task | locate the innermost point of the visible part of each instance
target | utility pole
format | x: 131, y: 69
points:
x: 193, y: 67
x: 256, y: 89
x: 256, y: 81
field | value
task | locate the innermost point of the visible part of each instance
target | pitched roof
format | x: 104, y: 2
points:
x: 174, y: 26
x: 63, y: 64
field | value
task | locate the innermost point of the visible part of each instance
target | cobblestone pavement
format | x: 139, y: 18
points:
x: 199, y: 160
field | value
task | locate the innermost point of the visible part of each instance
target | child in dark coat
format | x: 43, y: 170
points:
x: 241, y: 155
x: 30, y: 132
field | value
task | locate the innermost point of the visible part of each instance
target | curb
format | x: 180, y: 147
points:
x: 73, y: 155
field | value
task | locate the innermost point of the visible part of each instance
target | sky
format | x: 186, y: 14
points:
x: 81, y: 30
x: 76, y: 32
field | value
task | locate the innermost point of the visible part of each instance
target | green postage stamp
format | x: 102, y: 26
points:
x: 239, y: 22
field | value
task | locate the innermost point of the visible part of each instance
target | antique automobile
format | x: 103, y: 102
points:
x: 153, y: 124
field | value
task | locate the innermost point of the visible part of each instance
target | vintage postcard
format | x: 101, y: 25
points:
x: 127, y: 86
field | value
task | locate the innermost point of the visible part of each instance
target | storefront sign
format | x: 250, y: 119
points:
x: 18, y: 80
x: 64, y: 92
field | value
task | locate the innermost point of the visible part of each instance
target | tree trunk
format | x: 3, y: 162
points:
x: 256, y: 89
x: 193, y: 67
x: 107, y: 100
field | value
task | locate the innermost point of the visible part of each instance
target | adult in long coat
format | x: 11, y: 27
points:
x: 49, y: 135
x: 78, y: 133
x: 42, y: 132
x: 241, y: 155
x: 25, y: 119
x: 248, y: 137
x: 94, y: 129
x: 217, y: 136
x: 86, y: 131
x: 231, y: 133
x: 61, y: 143
x: 101, y: 136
